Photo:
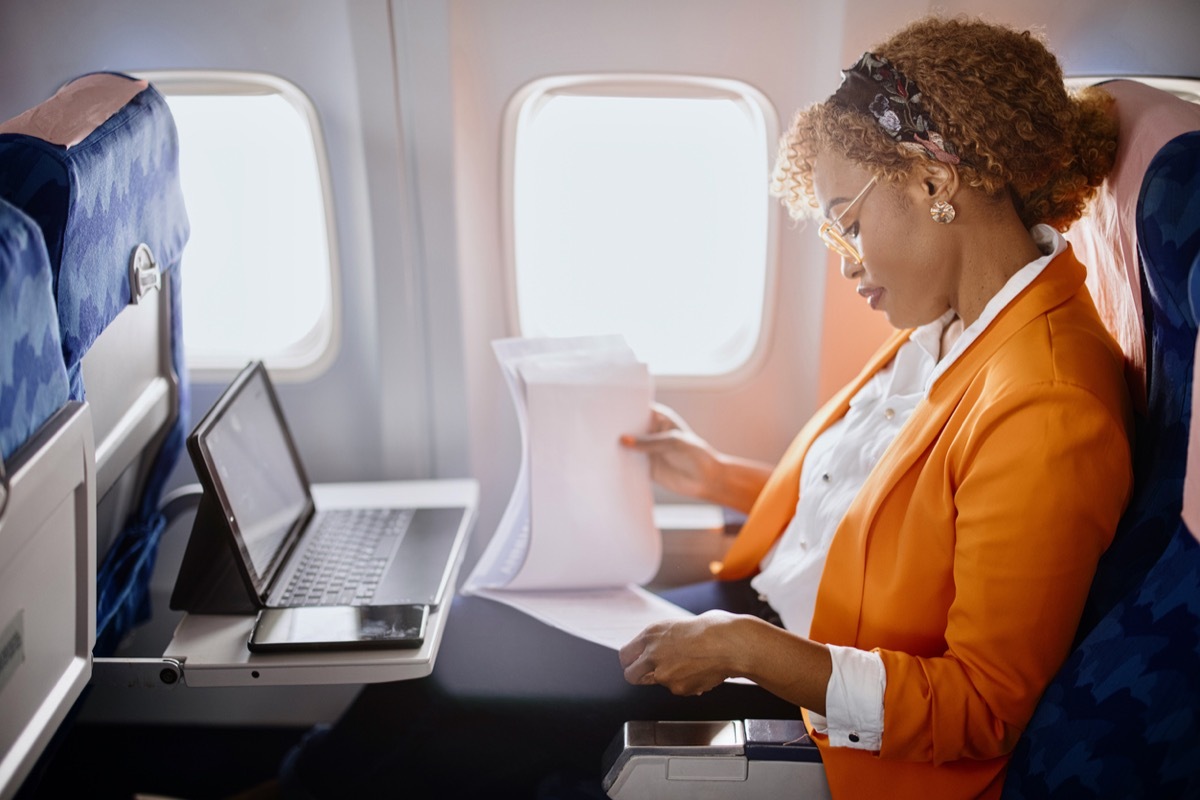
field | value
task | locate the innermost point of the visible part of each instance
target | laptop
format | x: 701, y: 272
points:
x: 286, y: 551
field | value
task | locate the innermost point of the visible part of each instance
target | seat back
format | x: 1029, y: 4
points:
x: 1149, y: 298
x: 97, y: 167
x: 1122, y: 718
x: 47, y: 511
x: 1191, y: 481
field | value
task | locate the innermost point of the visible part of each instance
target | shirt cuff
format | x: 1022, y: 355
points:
x: 853, y: 700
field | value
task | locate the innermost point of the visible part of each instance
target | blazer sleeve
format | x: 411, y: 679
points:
x: 1039, y: 478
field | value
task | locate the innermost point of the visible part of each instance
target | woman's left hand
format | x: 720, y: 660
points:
x: 689, y: 657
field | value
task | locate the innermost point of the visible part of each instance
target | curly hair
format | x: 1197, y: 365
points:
x: 998, y: 95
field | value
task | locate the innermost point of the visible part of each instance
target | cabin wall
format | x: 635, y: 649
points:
x: 341, y: 55
x: 411, y: 95
x: 1103, y: 37
x: 784, y: 48
x: 780, y: 46
x: 356, y: 421
x: 1100, y: 37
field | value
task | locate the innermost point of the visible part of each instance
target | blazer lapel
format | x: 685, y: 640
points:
x: 776, y: 503
x: 1061, y: 279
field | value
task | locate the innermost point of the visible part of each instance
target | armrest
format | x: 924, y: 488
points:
x: 714, y: 760
x: 693, y: 537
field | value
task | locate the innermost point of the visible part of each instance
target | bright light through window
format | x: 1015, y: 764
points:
x: 646, y: 216
x: 257, y: 276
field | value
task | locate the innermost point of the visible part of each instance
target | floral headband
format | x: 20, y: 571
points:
x: 873, y: 86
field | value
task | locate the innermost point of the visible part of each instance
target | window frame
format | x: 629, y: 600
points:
x: 314, y: 353
x: 650, y: 85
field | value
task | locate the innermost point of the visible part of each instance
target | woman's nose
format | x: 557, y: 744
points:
x: 851, y: 269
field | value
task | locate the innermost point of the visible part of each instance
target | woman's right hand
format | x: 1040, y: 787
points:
x: 683, y: 462
x: 679, y: 459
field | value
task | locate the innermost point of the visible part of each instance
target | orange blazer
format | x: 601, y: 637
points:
x: 967, y: 556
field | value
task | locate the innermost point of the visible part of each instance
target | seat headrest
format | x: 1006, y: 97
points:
x: 1105, y: 238
x: 33, y: 380
x: 76, y: 109
x: 97, y: 200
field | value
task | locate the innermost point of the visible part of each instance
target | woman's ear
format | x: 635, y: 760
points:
x: 939, y: 181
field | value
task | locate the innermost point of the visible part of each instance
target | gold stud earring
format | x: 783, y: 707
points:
x: 942, y: 212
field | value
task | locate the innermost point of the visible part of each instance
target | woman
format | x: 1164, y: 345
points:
x: 928, y: 598
x: 928, y: 540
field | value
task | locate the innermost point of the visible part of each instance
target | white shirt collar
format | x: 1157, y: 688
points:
x: 929, y: 336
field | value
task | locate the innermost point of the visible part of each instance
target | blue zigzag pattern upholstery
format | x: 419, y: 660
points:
x: 33, y: 380
x: 1122, y: 719
x: 95, y: 201
x: 1161, y: 436
x: 118, y: 186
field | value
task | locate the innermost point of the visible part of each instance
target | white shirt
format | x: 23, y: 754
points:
x: 834, y: 470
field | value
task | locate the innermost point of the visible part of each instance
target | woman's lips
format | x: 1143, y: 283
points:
x: 872, y: 294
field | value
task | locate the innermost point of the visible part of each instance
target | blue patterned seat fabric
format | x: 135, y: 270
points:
x: 1122, y: 719
x: 95, y: 202
x: 33, y: 380
x: 1160, y: 447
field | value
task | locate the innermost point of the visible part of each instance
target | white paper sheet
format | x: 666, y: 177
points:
x: 578, y: 533
x: 581, y: 513
x: 608, y: 617
x: 591, y: 502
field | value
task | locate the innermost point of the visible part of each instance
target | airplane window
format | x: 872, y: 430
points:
x: 640, y: 207
x: 259, y: 267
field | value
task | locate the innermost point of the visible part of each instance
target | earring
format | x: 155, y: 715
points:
x: 942, y: 212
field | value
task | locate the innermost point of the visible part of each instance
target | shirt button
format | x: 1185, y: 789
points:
x: 853, y: 737
x: 888, y: 413
x: 825, y: 477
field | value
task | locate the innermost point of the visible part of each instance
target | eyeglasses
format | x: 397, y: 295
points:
x: 834, y: 235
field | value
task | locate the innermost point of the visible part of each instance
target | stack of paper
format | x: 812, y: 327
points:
x: 578, y: 535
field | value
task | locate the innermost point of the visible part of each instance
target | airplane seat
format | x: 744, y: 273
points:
x: 96, y: 166
x: 1122, y: 718
x: 1145, y: 306
x: 34, y: 379
x: 47, y: 511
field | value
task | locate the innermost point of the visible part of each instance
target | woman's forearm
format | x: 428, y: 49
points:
x: 786, y: 665
x: 693, y: 655
x: 736, y: 482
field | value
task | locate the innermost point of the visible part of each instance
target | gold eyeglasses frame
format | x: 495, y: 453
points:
x: 834, y: 235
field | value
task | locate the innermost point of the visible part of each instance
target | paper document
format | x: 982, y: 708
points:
x: 578, y: 534
x: 609, y: 617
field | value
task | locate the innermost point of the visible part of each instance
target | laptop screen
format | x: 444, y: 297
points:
x: 250, y: 460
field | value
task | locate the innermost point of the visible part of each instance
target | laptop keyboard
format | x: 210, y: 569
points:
x: 345, y: 554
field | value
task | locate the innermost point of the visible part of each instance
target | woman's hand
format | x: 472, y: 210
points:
x: 689, y: 657
x: 679, y: 459
x: 685, y: 463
